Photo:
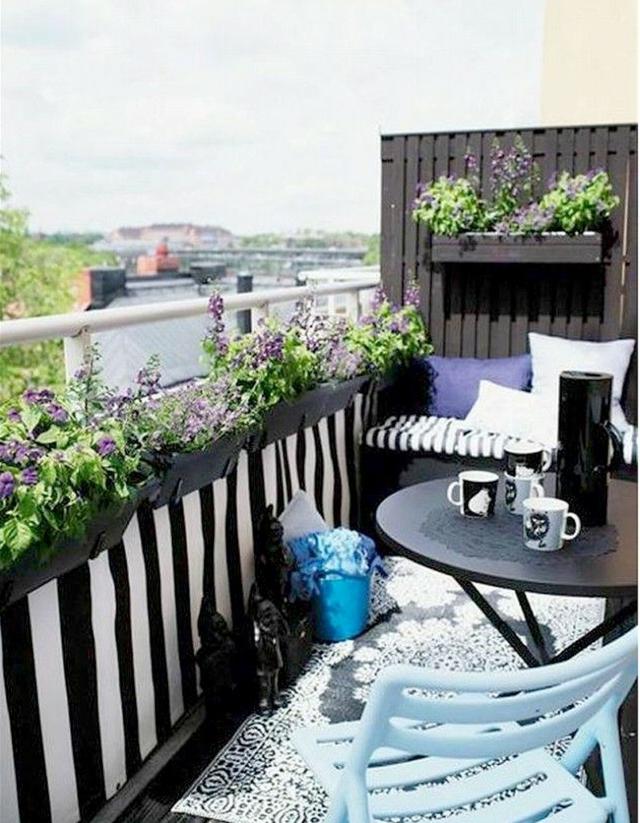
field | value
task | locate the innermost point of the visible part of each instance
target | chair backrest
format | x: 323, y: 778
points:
x: 491, y: 715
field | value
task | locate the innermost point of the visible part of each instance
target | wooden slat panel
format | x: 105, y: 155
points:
x: 486, y: 309
x: 616, y: 159
x: 427, y: 147
x: 393, y: 221
x: 410, y: 254
x: 630, y: 307
x: 441, y: 167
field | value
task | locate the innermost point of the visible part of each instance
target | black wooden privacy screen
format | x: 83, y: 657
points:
x: 486, y: 309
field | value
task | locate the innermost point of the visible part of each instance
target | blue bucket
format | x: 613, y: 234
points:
x: 341, y: 606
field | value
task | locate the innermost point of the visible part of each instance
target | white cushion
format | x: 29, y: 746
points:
x: 301, y: 517
x: 552, y: 355
x: 514, y: 413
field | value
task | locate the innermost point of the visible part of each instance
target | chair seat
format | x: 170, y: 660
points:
x: 422, y: 434
x: 535, y: 782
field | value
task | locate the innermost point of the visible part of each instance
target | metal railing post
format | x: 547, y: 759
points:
x: 244, y: 284
x: 77, y: 350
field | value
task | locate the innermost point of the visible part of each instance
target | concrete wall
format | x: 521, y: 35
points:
x: 589, y: 62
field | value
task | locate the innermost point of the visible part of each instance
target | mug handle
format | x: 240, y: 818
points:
x: 450, y: 498
x: 576, y: 523
x: 537, y: 490
x: 547, y: 460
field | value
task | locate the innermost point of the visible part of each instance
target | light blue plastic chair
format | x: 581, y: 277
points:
x: 452, y: 730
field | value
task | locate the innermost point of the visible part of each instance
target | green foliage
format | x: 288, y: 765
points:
x: 450, y: 206
x: 57, y: 470
x: 37, y: 277
x: 390, y: 336
x: 580, y: 203
x: 372, y: 255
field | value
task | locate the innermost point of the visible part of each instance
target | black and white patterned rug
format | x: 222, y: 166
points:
x: 260, y: 778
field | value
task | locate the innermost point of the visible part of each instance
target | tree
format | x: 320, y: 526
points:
x: 37, y: 277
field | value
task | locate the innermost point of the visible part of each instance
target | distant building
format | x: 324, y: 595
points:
x: 177, y: 235
x: 159, y: 263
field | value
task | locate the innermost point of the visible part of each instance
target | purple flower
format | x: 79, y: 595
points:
x: 106, y: 446
x: 148, y: 378
x: 412, y: 295
x: 215, y: 308
x: 7, y: 485
x: 34, y: 397
x: 29, y: 476
x: 57, y: 413
x: 216, y: 331
x: 13, y: 415
x: 379, y: 299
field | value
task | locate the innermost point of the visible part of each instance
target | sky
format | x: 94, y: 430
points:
x: 257, y: 115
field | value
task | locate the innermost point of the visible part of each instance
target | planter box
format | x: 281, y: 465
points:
x: 102, y: 533
x: 289, y: 417
x: 556, y: 248
x: 185, y: 472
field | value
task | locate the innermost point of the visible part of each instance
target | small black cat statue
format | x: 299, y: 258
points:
x: 269, y: 631
x: 216, y: 659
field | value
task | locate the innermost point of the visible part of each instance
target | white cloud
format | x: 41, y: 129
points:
x: 256, y: 115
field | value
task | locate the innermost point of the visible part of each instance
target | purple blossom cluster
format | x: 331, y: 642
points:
x: 511, y: 171
x: 7, y: 485
x: 265, y: 345
x: 37, y: 397
x: 216, y: 333
x: 148, y: 378
x: 533, y: 218
x: 105, y: 446
x: 16, y: 453
x: 412, y: 294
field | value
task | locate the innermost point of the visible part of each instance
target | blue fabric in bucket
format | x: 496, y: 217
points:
x: 333, y: 569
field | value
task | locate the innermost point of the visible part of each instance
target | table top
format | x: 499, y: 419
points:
x: 419, y: 523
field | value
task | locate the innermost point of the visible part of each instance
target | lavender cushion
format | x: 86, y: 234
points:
x: 454, y: 382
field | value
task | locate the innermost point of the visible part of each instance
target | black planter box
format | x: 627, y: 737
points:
x: 553, y: 247
x: 185, y: 472
x: 291, y: 416
x: 102, y: 533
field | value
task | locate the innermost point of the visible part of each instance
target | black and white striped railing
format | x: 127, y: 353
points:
x: 98, y: 666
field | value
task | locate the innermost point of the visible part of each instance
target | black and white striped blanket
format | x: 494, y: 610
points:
x: 449, y: 436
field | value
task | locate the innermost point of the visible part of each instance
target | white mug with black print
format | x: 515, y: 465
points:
x: 544, y: 523
x: 518, y: 489
x: 474, y: 493
x: 526, y: 459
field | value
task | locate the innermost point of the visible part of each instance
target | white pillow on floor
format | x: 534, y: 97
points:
x: 501, y: 410
x: 301, y: 517
x: 552, y: 355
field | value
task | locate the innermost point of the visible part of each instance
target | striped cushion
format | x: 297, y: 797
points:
x: 447, y: 435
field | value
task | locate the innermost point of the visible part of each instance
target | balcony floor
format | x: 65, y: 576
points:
x: 417, y: 616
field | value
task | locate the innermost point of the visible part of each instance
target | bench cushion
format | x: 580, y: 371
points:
x: 424, y: 434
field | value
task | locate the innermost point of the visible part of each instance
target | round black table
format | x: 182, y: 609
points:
x: 419, y: 523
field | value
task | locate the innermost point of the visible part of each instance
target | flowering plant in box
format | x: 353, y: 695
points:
x: 189, y: 418
x: 326, y: 337
x: 580, y: 203
x: 390, y: 336
x: 57, y: 469
x: 270, y: 364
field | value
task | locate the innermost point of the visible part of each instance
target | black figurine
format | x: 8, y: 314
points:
x: 269, y: 631
x: 274, y: 561
x: 216, y: 660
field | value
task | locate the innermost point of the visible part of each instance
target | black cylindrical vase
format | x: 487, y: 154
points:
x: 583, y: 444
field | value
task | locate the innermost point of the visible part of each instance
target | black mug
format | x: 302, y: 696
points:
x: 478, y: 490
x: 526, y: 459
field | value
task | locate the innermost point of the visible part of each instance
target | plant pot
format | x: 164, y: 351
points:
x: 102, y: 533
x: 341, y: 607
x: 184, y: 472
x: 341, y: 394
x: 291, y: 416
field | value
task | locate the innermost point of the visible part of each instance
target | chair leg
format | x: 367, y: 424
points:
x: 613, y: 770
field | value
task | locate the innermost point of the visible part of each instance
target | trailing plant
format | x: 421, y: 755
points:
x: 57, y: 470
x: 580, y: 203
x: 390, y: 336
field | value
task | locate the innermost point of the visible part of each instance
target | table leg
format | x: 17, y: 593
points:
x: 499, y: 623
x: 610, y: 623
x: 533, y: 626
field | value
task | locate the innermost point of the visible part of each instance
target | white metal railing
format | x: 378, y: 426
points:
x: 76, y: 329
